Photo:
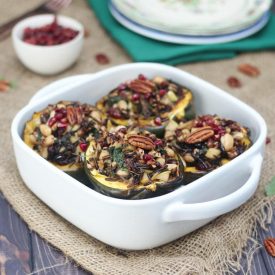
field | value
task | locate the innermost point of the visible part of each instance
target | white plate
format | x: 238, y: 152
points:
x: 194, y: 16
x: 186, y: 39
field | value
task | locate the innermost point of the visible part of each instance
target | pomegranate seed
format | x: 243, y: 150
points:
x: 147, y: 96
x: 62, y: 111
x: 122, y: 87
x: 199, y: 124
x: 234, y: 82
x: 147, y: 157
x: 58, y: 116
x: 115, y: 113
x: 162, y: 92
x: 52, y: 121
x: 141, y: 77
x: 157, y: 121
x: 64, y: 120
x: 135, y: 97
x: 102, y: 59
x: 216, y: 137
x: 158, y: 142
x: 83, y: 146
x: 267, y: 140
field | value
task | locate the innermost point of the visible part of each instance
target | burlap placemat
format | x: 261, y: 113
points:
x: 214, y: 249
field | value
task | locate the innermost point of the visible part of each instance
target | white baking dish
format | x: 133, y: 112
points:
x: 148, y: 223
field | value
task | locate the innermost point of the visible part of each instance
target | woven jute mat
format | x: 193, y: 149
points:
x: 213, y: 249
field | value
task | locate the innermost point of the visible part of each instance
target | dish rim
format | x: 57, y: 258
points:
x: 16, y: 136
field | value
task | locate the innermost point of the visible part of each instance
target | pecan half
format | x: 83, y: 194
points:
x: 200, y: 135
x: 142, y: 142
x: 71, y: 116
x: 142, y: 86
x: 269, y: 245
x: 78, y: 114
x: 74, y: 115
x: 249, y: 70
x: 4, y: 85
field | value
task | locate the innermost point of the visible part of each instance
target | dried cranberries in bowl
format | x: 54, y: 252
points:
x: 49, y: 35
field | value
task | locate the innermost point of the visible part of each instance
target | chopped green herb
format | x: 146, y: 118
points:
x: 117, y: 156
x: 113, y: 100
x: 95, y: 133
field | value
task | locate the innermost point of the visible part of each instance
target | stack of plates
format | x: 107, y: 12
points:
x: 192, y: 21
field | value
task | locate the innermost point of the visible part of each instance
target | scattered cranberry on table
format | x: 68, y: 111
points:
x: 49, y: 35
x: 102, y: 59
x: 234, y: 82
x: 267, y: 140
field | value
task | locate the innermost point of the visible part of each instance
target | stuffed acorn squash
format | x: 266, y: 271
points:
x: 132, y: 164
x: 60, y: 133
x: 148, y: 104
x: 207, y: 143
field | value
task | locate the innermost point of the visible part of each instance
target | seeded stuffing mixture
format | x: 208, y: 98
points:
x: 134, y: 157
x: 60, y: 133
x: 147, y: 102
x: 208, y: 141
x: 130, y: 157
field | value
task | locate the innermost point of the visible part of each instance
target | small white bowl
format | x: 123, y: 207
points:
x: 47, y: 60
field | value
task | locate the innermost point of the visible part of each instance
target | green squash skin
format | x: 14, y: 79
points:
x: 158, y: 130
x: 133, y: 194
x: 80, y: 175
x: 189, y: 177
x: 190, y: 112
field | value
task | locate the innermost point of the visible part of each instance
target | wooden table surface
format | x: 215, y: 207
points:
x: 24, y: 252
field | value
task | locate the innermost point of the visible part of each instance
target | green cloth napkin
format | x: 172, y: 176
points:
x: 141, y: 48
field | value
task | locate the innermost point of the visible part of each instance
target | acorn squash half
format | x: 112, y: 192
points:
x: 132, y: 165
x: 148, y: 104
x: 60, y: 133
x: 206, y: 143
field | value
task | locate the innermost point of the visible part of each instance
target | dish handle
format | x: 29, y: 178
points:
x: 179, y: 211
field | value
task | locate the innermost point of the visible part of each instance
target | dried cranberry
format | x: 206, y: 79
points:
x: 135, y: 97
x: 83, y: 146
x: 162, y: 92
x: 102, y: 59
x: 267, y: 140
x: 51, y: 34
x: 52, y: 121
x: 147, y: 157
x: 157, y: 121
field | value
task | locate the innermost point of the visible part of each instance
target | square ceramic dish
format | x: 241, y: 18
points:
x: 144, y: 224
